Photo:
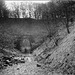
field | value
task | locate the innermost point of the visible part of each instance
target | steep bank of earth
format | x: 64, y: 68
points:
x: 47, y: 59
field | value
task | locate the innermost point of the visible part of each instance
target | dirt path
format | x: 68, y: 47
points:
x: 27, y: 68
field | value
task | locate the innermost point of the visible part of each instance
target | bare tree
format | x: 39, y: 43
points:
x: 60, y: 10
x: 66, y: 10
x: 3, y: 10
x: 23, y: 7
x: 16, y: 10
x: 38, y: 11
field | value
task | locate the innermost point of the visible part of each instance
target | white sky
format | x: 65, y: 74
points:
x: 8, y: 2
x: 36, y: 1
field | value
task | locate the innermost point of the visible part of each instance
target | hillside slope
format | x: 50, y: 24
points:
x: 51, y: 59
x: 62, y: 59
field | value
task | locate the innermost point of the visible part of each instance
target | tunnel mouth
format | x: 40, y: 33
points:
x: 26, y: 51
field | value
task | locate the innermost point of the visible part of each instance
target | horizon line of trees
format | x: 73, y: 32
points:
x: 51, y: 11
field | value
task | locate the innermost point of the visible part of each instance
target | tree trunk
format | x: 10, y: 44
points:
x: 67, y: 19
x: 67, y: 25
x: 67, y: 28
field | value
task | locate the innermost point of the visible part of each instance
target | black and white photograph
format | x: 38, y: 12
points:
x: 37, y: 37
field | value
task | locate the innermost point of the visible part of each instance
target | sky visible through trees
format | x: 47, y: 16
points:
x: 24, y: 8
